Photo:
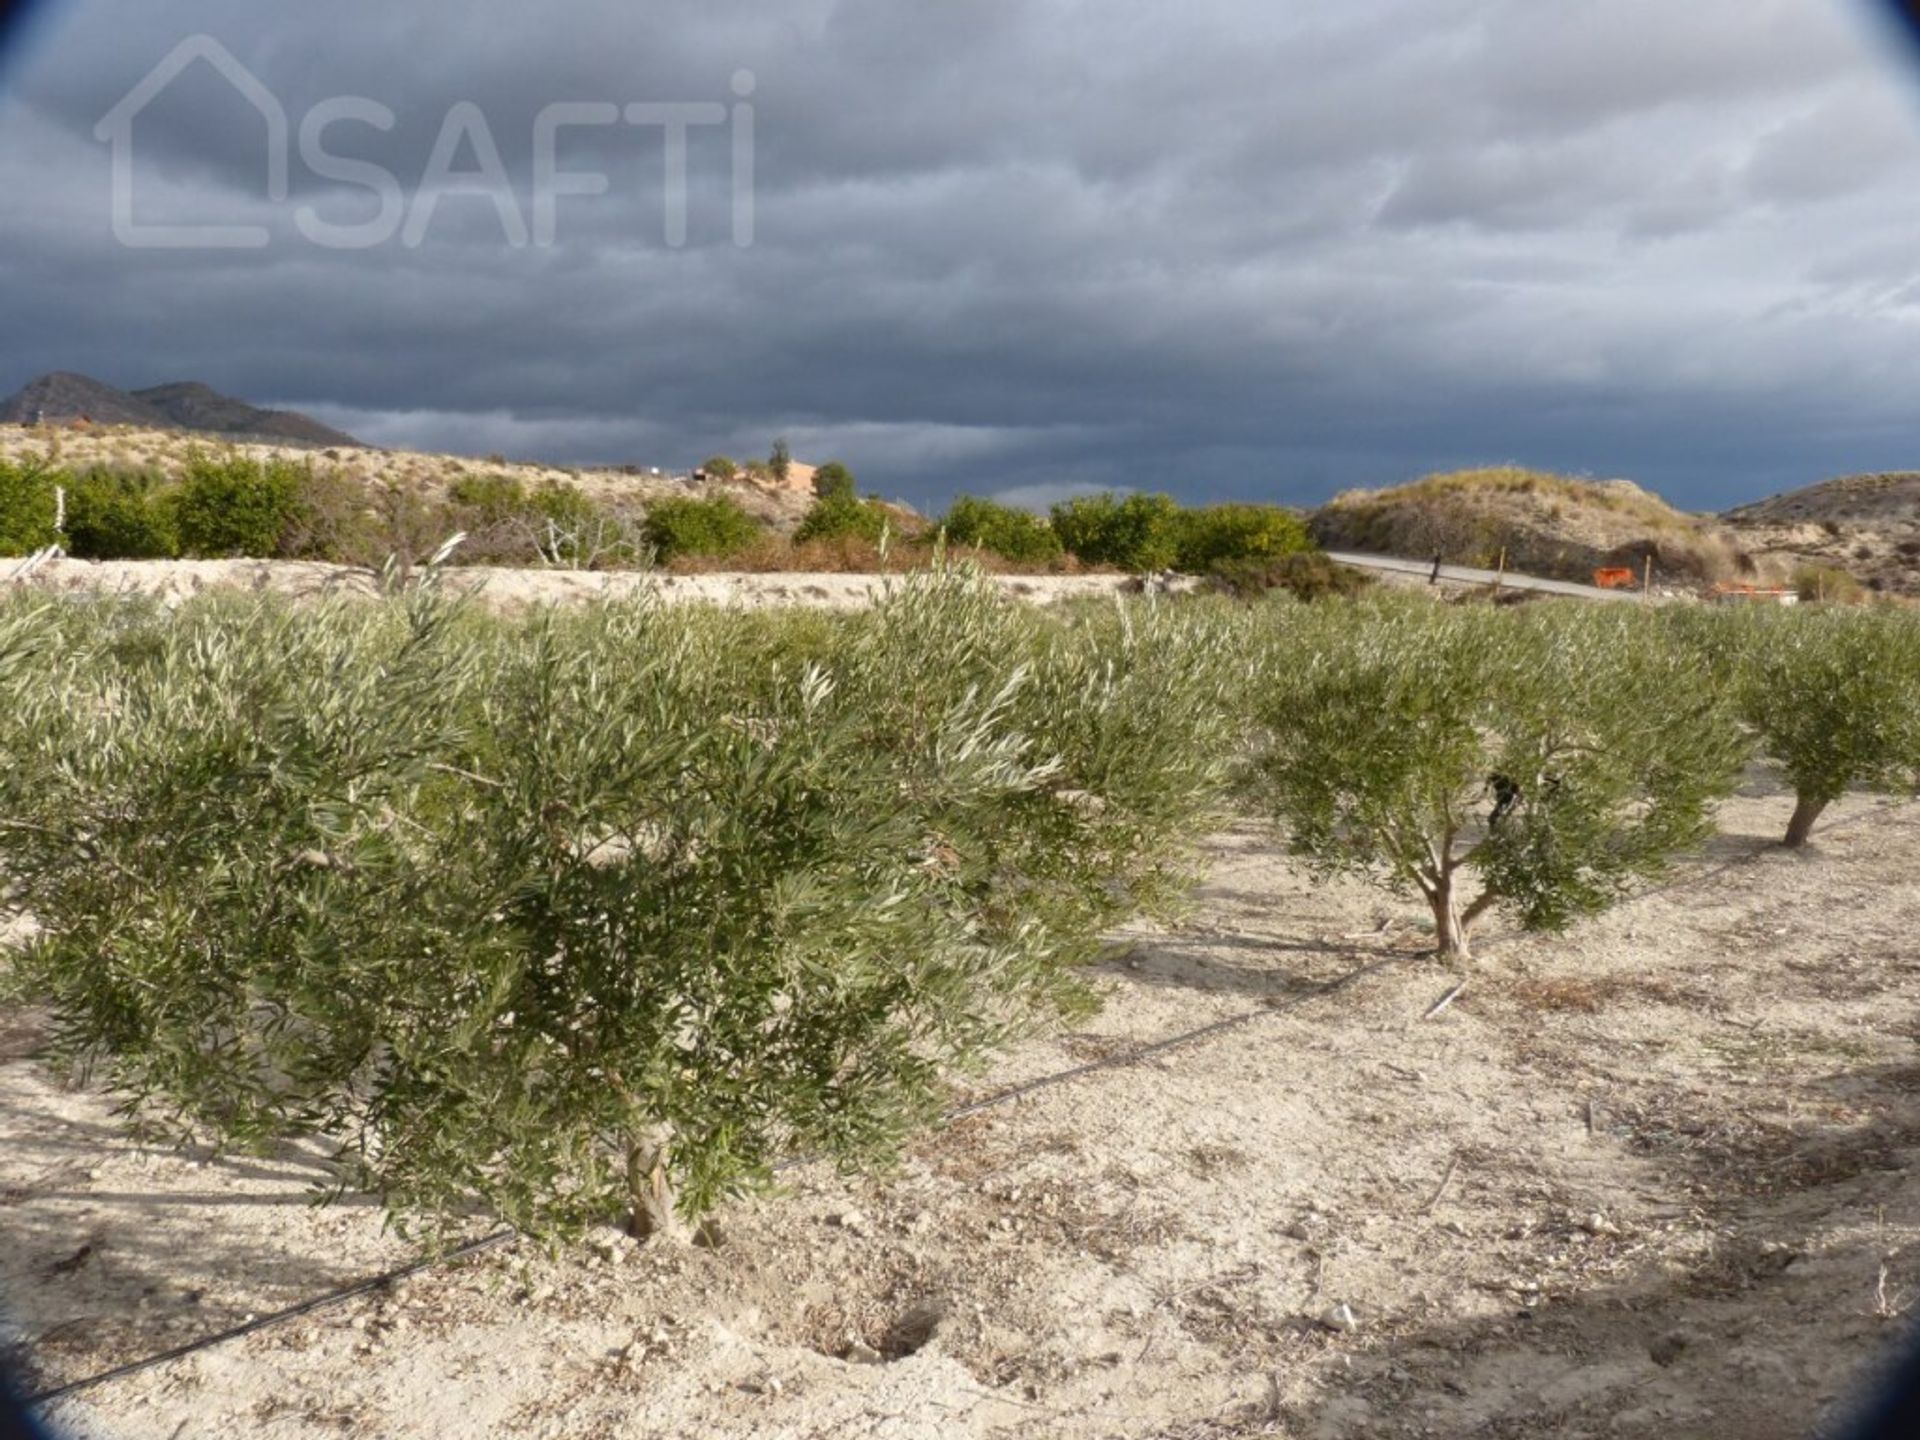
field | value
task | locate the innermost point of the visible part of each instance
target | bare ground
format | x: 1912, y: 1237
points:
x: 173, y: 582
x: 1655, y: 1178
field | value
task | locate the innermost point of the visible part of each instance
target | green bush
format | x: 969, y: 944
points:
x: 1557, y: 755
x: 235, y: 506
x: 1835, y: 699
x: 833, y: 480
x: 1218, y: 535
x: 1827, y: 585
x: 28, y: 507
x: 717, y: 527
x: 556, y: 523
x: 338, y: 518
x: 492, y: 498
x: 1015, y: 535
x: 121, y: 516
x: 720, y: 467
x: 1308, y: 576
x: 843, y: 517
x: 1137, y: 533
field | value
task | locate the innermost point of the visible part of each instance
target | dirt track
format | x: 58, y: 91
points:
x: 1639, y: 1182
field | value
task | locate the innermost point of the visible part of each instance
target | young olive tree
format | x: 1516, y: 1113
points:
x: 223, y: 854
x: 1132, y: 706
x: 1835, y: 699
x: 1537, y: 763
x: 592, y: 914
x: 734, y: 934
x: 30, y: 697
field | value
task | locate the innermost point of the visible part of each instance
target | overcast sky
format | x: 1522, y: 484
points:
x: 1258, y: 249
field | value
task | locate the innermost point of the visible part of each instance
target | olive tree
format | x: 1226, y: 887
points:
x: 591, y: 914
x: 1835, y: 699
x: 1133, y: 705
x: 26, y: 698
x: 1535, y: 763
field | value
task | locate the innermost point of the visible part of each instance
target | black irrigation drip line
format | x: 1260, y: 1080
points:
x: 305, y: 1307
x: 1133, y: 1056
x: 1139, y: 1053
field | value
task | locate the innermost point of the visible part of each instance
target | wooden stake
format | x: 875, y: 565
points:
x: 1445, y: 1000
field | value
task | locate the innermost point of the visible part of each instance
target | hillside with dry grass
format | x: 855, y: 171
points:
x: 426, y: 475
x: 1551, y: 525
x: 1866, y: 525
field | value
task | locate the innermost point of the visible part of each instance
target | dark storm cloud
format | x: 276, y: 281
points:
x: 1229, y: 248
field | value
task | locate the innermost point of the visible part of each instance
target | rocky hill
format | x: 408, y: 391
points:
x: 183, y: 405
x: 1867, y: 525
x: 66, y: 396
x: 1550, y: 525
x: 193, y: 406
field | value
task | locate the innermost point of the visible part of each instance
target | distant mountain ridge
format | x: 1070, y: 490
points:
x: 181, y: 405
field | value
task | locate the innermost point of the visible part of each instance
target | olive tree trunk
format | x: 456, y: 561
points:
x: 1800, y: 828
x: 650, y: 1198
x: 1452, y: 923
x: 1451, y: 941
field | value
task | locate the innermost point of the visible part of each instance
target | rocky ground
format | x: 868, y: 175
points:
x: 1867, y: 525
x: 1653, y: 1179
x: 1884, y: 557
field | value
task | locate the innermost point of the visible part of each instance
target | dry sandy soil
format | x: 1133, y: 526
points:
x: 1654, y: 1179
x: 515, y: 589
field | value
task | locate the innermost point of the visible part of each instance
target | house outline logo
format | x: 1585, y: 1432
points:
x: 116, y: 129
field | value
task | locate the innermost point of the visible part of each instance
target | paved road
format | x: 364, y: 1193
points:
x: 1467, y: 575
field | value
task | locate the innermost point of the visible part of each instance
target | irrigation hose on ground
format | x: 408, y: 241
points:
x: 1133, y: 1056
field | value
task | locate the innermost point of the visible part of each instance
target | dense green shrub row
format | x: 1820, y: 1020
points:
x: 216, y: 508
x: 231, y: 506
x: 1016, y: 535
x: 1136, y: 533
x: 1152, y: 532
x: 226, y: 505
